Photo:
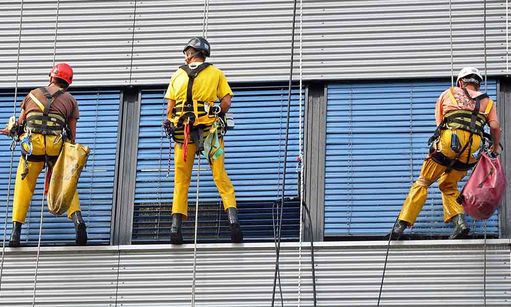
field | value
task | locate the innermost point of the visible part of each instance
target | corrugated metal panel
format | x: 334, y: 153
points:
x: 419, y: 273
x: 94, y: 37
x: 251, y: 39
x: 376, y: 142
x: 97, y: 128
x: 254, y: 158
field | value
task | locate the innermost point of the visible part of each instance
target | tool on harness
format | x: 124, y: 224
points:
x: 212, y: 148
x: 471, y: 121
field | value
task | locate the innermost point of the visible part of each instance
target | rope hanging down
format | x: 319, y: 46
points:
x: 301, y: 178
x: 45, y: 170
x: 281, y: 202
x: 13, y: 144
x: 196, y: 227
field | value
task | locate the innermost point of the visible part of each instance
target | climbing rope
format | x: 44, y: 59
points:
x: 133, y: 24
x: 13, y: 145
x: 485, y: 266
x: 300, y: 154
x: 485, y: 48
x: 450, y: 36
x: 45, y: 170
x: 205, y: 20
x: 280, y: 206
x: 485, y: 85
x: 195, y: 232
x: 196, y: 227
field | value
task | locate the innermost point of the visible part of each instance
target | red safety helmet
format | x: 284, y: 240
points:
x: 62, y: 71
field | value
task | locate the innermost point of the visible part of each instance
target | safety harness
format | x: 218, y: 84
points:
x: 471, y: 121
x: 44, y: 123
x: 188, y: 113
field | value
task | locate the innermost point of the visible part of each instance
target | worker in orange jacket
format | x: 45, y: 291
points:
x: 461, y: 114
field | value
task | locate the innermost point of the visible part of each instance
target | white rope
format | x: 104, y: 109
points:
x: 484, y: 273
x: 195, y: 232
x: 485, y: 50
x: 133, y: 25
x: 300, y: 153
x: 205, y: 19
x: 507, y: 37
x: 45, y: 170
x: 196, y: 229
x: 450, y: 36
x: 7, y: 203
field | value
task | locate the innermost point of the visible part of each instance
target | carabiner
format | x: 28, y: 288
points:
x: 26, y: 140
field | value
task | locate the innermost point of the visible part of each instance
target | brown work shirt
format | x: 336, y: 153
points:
x: 65, y: 104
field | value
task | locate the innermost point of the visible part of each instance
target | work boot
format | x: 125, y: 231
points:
x: 176, y: 236
x: 80, y: 228
x: 15, y: 234
x: 461, y: 228
x: 397, y: 230
x: 234, y: 226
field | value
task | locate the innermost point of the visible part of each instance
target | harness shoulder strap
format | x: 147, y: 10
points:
x: 192, y: 74
x: 50, y: 98
x: 37, y: 102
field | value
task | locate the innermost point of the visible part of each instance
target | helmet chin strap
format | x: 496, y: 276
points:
x: 188, y: 58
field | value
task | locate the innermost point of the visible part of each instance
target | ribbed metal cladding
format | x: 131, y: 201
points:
x: 141, y: 42
x: 94, y: 37
x: 419, y: 273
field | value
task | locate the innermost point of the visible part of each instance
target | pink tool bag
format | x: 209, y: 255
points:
x: 484, y: 190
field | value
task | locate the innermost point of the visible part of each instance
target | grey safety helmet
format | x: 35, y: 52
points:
x: 470, y: 75
x: 199, y: 43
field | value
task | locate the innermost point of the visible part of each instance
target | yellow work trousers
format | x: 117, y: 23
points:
x: 447, y: 182
x: 183, y: 175
x: 24, y: 188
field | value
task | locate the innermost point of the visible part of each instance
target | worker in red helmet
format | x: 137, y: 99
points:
x: 48, y: 117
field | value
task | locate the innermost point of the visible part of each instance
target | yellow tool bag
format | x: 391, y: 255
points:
x: 65, y: 175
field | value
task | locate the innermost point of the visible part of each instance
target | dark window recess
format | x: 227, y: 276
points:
x: 153, y: 220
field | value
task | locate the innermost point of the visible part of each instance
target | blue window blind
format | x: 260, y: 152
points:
x: 376, y: 142
x: 254, y: 159
x: 98, y: 129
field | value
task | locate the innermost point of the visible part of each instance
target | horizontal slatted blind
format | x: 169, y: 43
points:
x: 376, y: 142
x: 253, y: 159
x: 138, y: 42
x: 97, y: 128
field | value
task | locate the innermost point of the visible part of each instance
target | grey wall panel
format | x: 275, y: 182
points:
x: 140, y: 42
x: 93, y: 36
x: 419, y: 273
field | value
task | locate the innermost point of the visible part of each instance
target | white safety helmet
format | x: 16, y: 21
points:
x: 470, y: 71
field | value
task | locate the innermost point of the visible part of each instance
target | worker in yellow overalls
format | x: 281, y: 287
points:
x: 461, y: 113
x: 197, y: 123
x: 48, y: 116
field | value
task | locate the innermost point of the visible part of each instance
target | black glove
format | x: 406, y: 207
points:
x: 169, y: 128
